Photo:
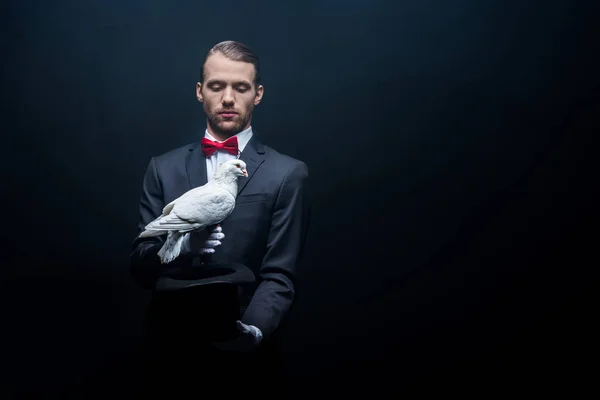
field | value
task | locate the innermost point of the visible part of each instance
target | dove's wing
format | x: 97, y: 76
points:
x: 198, y: 191
x: 195, y: 211
x: 208, y: 208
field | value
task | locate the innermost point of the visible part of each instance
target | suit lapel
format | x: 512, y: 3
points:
x: 253, y: 155
x: 195, y: 165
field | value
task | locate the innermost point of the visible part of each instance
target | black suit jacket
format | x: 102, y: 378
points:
x: 266, y: 230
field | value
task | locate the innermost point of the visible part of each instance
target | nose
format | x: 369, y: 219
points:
x: 228, y: 97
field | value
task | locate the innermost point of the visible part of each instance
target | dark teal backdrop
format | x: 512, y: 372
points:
x: 443, y: 141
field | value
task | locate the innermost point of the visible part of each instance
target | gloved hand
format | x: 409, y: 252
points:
x: 249, y: 339
x: 202, y: 242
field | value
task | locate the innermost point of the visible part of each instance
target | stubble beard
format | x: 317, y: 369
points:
x: 231, y: 127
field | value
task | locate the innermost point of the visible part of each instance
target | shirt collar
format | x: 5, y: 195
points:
x: 243, y: 137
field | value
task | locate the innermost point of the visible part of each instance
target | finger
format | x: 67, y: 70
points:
x: 216, y: 236
x: 207, y: 251
x: 243, y: 327
x: 212, y: 243
x: 217, y: 229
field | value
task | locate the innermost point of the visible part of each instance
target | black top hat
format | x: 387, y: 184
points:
x: 200, y: 302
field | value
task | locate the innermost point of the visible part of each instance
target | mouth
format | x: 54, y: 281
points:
x: 227, y: 114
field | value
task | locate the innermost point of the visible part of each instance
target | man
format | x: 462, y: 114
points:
x: 266, y: 230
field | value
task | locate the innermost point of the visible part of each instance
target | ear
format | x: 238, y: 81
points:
x: 259, y: 94
x: 199, y: 92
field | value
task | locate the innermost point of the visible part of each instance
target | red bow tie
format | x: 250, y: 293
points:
x: 230, y: 145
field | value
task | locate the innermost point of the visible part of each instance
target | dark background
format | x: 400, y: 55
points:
x: 446, y: 143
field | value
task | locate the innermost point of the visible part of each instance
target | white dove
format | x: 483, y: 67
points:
x: 197, y: 209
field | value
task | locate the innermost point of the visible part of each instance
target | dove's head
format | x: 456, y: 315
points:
x: 235, y: 168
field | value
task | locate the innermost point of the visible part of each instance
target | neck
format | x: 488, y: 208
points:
x: 221, y: 137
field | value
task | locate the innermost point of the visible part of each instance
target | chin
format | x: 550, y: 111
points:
x: 230, y: 126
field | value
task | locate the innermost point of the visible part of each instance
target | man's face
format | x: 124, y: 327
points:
x: 228, y: 95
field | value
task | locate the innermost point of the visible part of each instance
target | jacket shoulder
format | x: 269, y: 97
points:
x: 283, y: 161
x: 176, y: 153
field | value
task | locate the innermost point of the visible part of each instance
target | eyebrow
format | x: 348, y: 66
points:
x: 213, y: 81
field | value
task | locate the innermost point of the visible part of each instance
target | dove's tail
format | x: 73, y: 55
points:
x: 152, y: 232
x: 153, y: 228
x: 172, y: 247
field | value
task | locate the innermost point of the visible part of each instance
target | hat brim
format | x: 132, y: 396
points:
x: 180, y: 278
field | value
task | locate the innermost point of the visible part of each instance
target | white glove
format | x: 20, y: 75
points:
x: 250, y: 337
x: 201, y: 243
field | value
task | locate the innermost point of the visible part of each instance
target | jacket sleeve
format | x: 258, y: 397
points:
x: 145, y: 265
x: 276, y: 292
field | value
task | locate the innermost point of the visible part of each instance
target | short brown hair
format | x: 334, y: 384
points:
x: 235, y: 51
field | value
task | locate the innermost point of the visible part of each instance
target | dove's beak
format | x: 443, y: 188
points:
x: 245, y: 173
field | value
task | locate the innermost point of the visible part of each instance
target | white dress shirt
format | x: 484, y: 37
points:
x: 220, y: 156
